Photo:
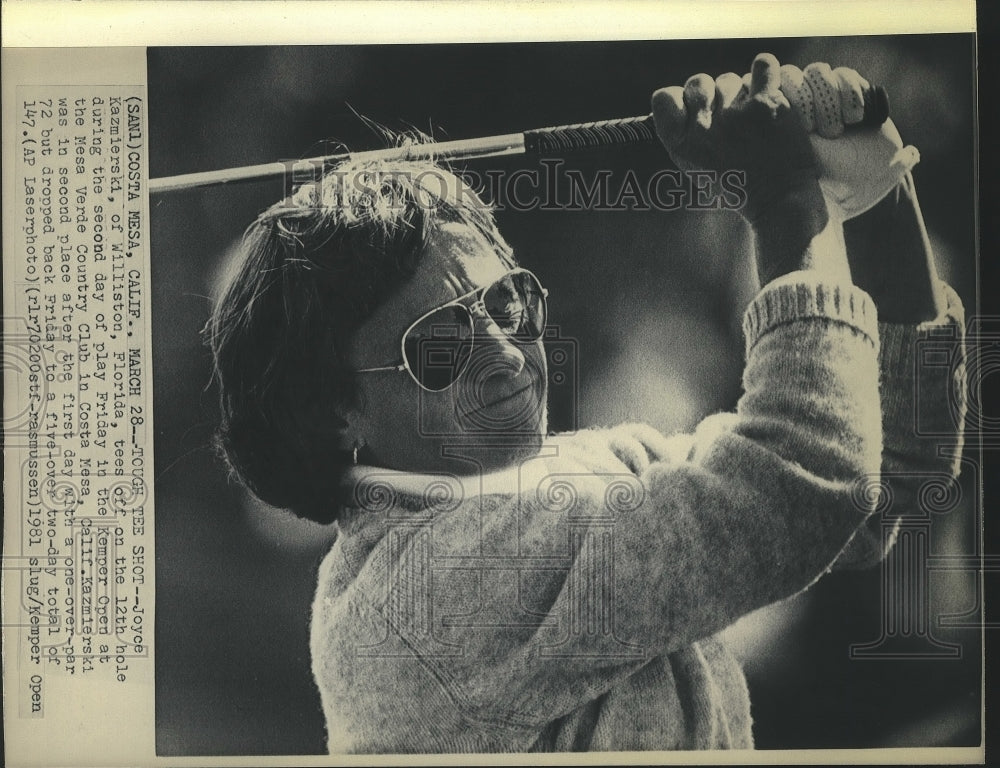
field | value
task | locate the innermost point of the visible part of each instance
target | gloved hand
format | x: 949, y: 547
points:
x: 858, y: 167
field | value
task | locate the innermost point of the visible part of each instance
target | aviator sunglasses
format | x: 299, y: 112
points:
x: 438, y: 345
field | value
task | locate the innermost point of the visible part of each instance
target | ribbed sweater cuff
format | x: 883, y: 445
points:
x: 803, y: 295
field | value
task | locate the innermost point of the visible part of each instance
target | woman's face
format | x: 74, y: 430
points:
x: 491, y: 417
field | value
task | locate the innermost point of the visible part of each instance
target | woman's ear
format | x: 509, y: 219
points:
x: 350, y: 431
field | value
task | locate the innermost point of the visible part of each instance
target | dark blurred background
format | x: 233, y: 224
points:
x: 653, y: 300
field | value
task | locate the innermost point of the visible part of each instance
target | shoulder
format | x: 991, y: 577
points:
x: 631, y: 446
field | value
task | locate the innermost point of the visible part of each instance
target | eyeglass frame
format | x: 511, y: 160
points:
x: 478, y: 306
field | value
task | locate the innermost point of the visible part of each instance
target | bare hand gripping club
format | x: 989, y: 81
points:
x: 556, y: 140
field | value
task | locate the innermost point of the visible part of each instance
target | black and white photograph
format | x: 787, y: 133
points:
x: 496, y: 382
x: 565, y: 396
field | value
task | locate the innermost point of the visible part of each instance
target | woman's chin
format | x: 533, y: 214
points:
x: 487, y: 441
x: 499, y: 457
x: 480, y: 454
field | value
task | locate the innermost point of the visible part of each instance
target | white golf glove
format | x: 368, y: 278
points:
x: 860, y: 166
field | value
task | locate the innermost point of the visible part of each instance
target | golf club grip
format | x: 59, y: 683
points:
x: 634, y: 130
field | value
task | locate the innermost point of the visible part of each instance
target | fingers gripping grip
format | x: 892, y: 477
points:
x: 633, y: 130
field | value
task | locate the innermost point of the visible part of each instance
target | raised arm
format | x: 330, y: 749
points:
x: 923, y: 406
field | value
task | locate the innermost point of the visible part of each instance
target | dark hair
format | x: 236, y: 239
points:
x: 311, y: 270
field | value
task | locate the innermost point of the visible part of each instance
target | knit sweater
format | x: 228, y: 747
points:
x: 573, y: 602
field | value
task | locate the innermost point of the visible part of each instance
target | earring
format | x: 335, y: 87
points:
x: 354, y: 456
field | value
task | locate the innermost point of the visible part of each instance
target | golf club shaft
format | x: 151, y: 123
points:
x: 556, y: 140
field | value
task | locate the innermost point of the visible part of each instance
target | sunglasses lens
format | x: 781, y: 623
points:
x: 437, y: 348
x: 516, y: 303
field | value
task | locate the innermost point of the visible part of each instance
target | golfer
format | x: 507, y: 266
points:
x: 380, y: 354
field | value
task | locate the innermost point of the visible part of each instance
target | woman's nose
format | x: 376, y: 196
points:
x: 499, y: 347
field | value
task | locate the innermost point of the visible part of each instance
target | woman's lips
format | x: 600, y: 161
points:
x: 502, y: 399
